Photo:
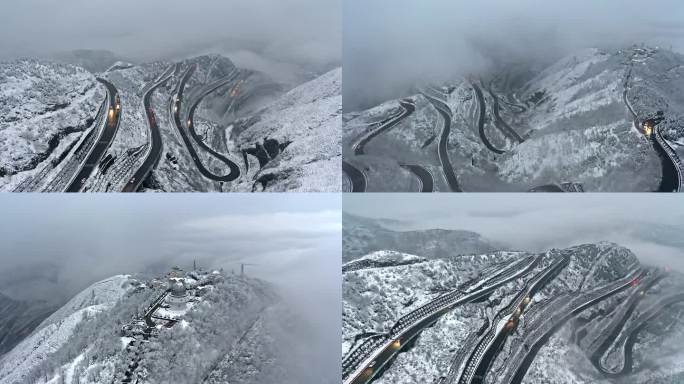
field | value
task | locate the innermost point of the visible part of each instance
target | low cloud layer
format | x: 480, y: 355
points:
x: 54, y: 246
x: 389, y: 48
x: 649, y: 225
x: 303, y: 32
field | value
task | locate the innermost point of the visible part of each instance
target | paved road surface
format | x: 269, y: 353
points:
x: 155, y: 152
x: 443, y: 146
x: 481, y: 120
x: 104, y: 141
x: 177, y: 101
x: 356, y: 177
x: 234, y: 168
x: 424, y: 176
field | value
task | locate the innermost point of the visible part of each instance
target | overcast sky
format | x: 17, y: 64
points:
x: 294, y: 31
x: 56, y: 245
x: 389, y: 47
x: 651, y: 225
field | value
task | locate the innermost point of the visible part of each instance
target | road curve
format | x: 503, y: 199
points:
x: 519, y: 372
x: 442, y: 148
x: 672, y: 165
x: 357, y: 178
x: 156, y: 145
x: 489, y: 346
x: 407, y: 109
x: 424, y: 176
x: 411, y: 325
x: 500, y: 123
x: 647, y: 316
x: 175, y: 110
x: 481, y: 120
x: 617, y: 324
x: 234, y: 168
x: 672, y: 168
x: 103, y: 141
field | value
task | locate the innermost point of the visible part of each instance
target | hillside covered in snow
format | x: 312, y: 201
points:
x: 44, y: 109
x: 196, y: 124
x: 591, y: 121
x: 586, y: 314
x: 183, y: 327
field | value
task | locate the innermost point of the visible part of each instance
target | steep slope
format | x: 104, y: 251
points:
x: 57, y: 331
x: 582, y: 131
x: 214, y: 326
x: 18, y: 319
x: 44, y: 109
x: 272, y: 351
x: 361, y: 236
x: 306, y: 123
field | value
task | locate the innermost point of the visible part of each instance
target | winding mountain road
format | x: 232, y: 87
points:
x: 234, y: 168
x: 407, y: 108
x: 175, y: 111
x: 481, y: 120
x: 500, y: 123
x: 490, y: 344
x: 155, y: 148
x: 363, y: 363
x: 442, y: 148
x: 356, y: 177
x: 424, y: 177
x: 568, y: 308
x: 672, y: 167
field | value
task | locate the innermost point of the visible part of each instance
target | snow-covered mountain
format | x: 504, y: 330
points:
x: 44, y: 109
x: 586, y: 314
x: 22, y: 363
x: 184, y: 327
x: 247, y: 131
x: 361, y: 236
x: 565, y: 127
x: 307, y: 120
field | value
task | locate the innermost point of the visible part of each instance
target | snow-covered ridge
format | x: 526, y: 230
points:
x: 57, y: 329
x: 382, y: 259
x: 42, y: 105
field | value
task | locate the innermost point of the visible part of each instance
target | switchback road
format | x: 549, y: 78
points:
x: 481, y: 120
x: 156, y: 146
x: 234, y: 168
x: 175, y: 110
